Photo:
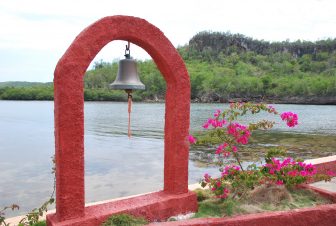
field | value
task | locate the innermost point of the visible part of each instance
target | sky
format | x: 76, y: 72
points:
x: 35, y: 34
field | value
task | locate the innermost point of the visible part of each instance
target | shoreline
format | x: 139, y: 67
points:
x: 331, y: 102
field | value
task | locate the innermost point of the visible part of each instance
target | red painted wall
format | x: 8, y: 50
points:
x: 319, y: 216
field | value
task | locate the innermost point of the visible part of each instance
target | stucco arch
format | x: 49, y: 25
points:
x: 69, y: 104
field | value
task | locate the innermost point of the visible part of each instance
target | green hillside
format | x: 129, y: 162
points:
x: 229, y: 67
x: 23, y: 84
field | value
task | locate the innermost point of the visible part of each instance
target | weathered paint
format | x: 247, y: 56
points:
x: 320, y: 216
x: 324, y: 167
x: 154, y: 207
x: 69, y: 115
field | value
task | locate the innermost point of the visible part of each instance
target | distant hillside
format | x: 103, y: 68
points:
x: 23, y: 84
x: 215, y: 43
x: 223, y: 67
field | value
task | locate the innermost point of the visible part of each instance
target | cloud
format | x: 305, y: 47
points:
x: 29, y: 28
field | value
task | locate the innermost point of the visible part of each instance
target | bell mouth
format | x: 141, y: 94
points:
x: 127, y: 86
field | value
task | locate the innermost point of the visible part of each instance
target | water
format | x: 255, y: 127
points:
x: 114, y: 165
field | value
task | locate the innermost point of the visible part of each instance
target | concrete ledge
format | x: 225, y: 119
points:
x: 155, y: 206
x: 15, y: 220
x: 323, y: 165
x: 321, y: 160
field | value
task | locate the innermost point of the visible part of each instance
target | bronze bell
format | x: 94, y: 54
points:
x: 127, y: 77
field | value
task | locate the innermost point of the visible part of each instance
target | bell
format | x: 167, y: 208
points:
x: 128, y: 80
x: 127, y: 77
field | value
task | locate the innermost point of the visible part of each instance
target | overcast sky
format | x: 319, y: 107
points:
x: 34, y: 34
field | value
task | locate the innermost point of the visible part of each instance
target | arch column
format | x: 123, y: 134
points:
x: 69, y: 111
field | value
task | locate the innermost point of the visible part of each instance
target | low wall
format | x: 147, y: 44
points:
x: 156, y: 206
x: 325, y: 164
x: 320, y: 216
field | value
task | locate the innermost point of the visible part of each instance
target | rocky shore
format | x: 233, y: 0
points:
x: 316, y: 100
x: 215, y: 98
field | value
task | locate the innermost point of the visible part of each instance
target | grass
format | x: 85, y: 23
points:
x: 124, y: 220
x: 212, y: 207
x: 40, y: 223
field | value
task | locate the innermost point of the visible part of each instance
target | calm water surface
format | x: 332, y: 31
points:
x: 115, y: 165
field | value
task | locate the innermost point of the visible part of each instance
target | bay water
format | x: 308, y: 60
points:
x: 115, y: 166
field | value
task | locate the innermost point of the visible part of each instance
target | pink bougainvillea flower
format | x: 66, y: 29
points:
x: 234, y: 149
x: 214, y: 122
x: 205, y: 125
x: 225, y: 194
x: 303, y: 173
x: 290, y: 118
x: 230, y: 170
x: 217, y: 113
x: 207, y: 177
x: 279, y: 182
x: 192, y: 139
x: 226, y: 153
x: 221, y: 149
x: 293, y: 173
x: 240, y: 132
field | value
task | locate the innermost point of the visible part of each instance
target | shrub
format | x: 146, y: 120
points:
x: 235, y: 181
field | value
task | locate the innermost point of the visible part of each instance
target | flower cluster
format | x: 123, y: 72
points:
x: 224, y: 194
x: 240, y: 132
x: 215, y: 122
x: 290, y: 118
x: 288, y: 171
x: 192, y: 139
x: 216, y: 186
x: 217, y: 113
x: 230, y: 170
x: 226, y: 149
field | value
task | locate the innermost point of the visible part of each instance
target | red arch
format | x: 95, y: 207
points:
x: 69, y: 102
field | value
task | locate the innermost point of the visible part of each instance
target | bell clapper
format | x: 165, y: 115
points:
x: 129, y: 97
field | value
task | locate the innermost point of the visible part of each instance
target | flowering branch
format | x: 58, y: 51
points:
x: 223, y: 126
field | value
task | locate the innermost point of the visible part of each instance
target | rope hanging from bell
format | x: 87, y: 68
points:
x: 129, y: 97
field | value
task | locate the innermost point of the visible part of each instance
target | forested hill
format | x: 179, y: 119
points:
x: 216, y: 43
x: 226, y: 67
x: 23, y: 84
